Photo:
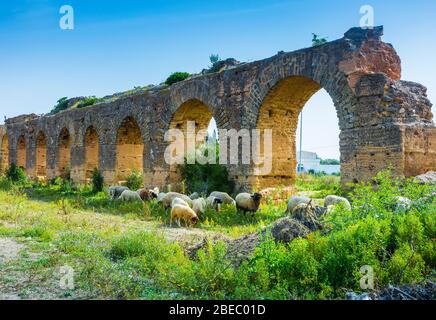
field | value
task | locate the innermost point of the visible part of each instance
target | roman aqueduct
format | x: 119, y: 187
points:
x: 383, y: 120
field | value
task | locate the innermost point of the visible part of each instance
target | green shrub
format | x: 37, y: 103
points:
x: 316, y: 41
x: 62, y: 104
x: 16, y: 174
x: 135, y: 180
x: 89, y: 101
x: 177, y: 77
x: 205, y: 178
x: 97, y: 181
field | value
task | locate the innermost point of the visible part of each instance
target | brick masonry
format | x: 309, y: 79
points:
x: 384, y: 121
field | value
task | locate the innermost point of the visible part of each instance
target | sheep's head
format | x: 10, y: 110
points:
x: 256, y: 196
x: 194, y: 220
x: 153, y: 194
x: 217, y: 204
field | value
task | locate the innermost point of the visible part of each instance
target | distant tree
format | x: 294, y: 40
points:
x: 177, y: 77
x: 62, y: 104
x: 215, y: 61
x: 316, y: 41
x: 330, y: 161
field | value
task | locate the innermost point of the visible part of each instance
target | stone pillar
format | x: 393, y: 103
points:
x: 108, y: 162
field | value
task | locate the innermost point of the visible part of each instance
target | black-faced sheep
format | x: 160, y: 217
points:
x: 246, y: 202
x: 199, y: 206
x: 146, y: 194
x: 182, y: 212
x: 168, y: 199
x: 129, y: 195
x: 214, y: 203
x: 116, y: 191
x: 224, y: 197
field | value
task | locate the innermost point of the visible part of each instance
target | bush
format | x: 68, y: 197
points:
x: 62, y: 104
x: 15, y: 173
x: 316, y: 41
x: 177, y: 77
x: 135, y: 180
x: 97, y: 181
x: 205, y: 178
x: 89, y: 101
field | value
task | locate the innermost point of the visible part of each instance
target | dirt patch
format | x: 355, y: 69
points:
x: 9, y: 250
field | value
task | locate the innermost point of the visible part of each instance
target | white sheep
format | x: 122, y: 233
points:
x: 182, y: 212
x: 248, y: 202
x: 116, y: 191
x: 335, y: 200
x: 160, y: 196
x: 194, y: 196
x: 295, y: 201
x: 214, y: 203
x: 224, y: 197
x: 179, y: 201
x: 199, y: 206
x: 129, y: 195
x: 168, y: 199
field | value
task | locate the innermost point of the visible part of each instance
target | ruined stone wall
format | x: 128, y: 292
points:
x: 383, y: 120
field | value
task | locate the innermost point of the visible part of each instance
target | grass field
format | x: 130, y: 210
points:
x: 128, y: 250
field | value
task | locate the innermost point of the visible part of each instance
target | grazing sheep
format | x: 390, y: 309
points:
x: 160, y: 196
x: 248, y: 202
x: 295, y: 201
x: 179, y: 201
x: 214, y: 203
x: 334, y: 200
x: 129, y: 195
x: 116, y: 191
x: 168, y: 199
x: 199, y: 206
x: 224, y: 197
x: 182, y: 212
x: 146, y: 195
x: 194, y: 196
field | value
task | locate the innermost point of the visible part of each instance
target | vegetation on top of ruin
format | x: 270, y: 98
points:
x: 317, y: 40
x: 177, y: 77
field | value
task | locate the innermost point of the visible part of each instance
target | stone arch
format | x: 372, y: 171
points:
x: 91, y: 146
x: 279, y: 111
x: 41, y: 156
x: 21, y: 152
x: 191, y: 112
x: 4, y: 153
x: 63, y: 161
x: 129, y: 149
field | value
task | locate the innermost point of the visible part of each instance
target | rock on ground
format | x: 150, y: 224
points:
x: 429, y: 177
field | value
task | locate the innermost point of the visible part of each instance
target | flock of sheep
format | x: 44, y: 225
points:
x: 189, y: 208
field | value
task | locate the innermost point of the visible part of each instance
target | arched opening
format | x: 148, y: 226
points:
x: 4, y: 153
x: 63, y: 165
x: 197, y: 113
x: 21, y: 152
x: 41, y: 156
x: 280, y: 112
x: 130, y: 149
x: 91, y: 151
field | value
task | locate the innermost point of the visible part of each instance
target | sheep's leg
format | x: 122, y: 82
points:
x: 178, y: 223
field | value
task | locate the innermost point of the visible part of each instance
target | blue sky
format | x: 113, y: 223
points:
x: 117, y: 45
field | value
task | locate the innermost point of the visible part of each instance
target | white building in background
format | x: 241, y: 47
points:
x: 310, y: 161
